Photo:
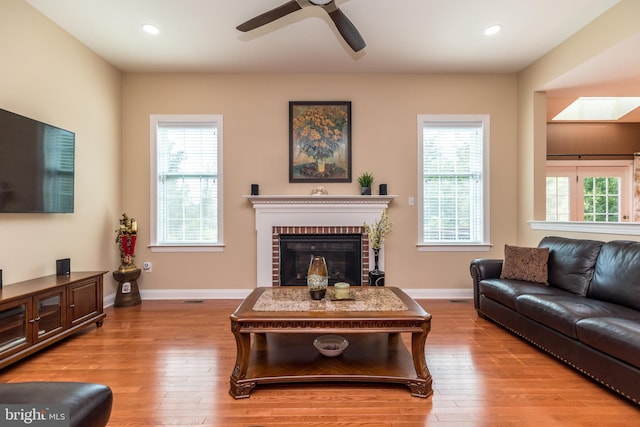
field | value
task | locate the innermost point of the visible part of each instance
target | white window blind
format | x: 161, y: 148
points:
x: 453, y: 205
x: 188, y: 181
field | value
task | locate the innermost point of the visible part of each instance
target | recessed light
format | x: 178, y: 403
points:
x: 492, y: 29
x: 151, y: 29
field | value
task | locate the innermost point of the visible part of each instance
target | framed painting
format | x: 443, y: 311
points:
x: 320, y: 141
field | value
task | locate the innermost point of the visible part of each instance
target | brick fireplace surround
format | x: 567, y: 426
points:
x: 278, y: 231
x: 277, y: 215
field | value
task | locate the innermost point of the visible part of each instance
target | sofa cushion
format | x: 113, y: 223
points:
x: 571, y: 262
x: 528, y: 264
x: 562, y: 312
x: 505, y: 291
x: 618, y: 337
x: 617, y: 274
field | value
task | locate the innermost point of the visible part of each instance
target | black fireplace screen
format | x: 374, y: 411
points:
x: 342, y: 253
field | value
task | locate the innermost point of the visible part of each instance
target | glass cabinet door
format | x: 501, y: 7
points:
x: 15, y: 326
x: 49, y: 316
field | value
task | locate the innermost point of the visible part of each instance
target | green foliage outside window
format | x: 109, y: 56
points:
x: 601, y: 199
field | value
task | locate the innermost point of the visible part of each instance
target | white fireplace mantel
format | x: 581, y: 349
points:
x: 296, y: 210
x: 320, y: 200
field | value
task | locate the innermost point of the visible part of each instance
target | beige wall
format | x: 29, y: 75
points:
x: 593, y: 138
x: 255, y: 110
x: 615, y: 26
x: 47, y: 75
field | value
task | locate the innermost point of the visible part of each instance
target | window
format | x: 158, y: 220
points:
x: 453, y: 153
x: 590, y: 191
x: 601, y: 199
x: 186, y: 184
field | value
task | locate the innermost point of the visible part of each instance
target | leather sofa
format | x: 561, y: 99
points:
x: 587, y: 314
x: 89, y: 405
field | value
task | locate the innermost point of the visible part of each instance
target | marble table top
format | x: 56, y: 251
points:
x: 296, y: 298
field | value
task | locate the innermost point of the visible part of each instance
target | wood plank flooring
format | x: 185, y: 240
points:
x: 168, y: 363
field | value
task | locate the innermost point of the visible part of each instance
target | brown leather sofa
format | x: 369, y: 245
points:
x: 588, y: 315
x: 89, y: 405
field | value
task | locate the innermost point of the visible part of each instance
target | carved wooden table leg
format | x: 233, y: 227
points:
x: 421, y: 388
x: 238, y: 389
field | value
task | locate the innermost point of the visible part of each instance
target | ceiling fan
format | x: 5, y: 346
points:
x: 344, y: 26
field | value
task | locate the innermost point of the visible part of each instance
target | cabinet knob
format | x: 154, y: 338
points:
x: 72, y: 306
x: 34, y: 320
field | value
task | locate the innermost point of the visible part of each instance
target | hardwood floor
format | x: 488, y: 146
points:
x: 169, y: 362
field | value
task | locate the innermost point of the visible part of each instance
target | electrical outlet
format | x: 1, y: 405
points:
x: 412, y: 201
x: 146, y: 266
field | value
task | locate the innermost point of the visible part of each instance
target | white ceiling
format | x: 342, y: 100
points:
x: 402, y: 36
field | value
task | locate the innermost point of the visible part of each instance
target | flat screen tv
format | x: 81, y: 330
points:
x: 37, y: 163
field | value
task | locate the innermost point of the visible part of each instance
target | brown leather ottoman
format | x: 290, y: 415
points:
x: 89, y: 404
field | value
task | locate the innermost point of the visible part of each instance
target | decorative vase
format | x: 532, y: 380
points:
x: 127, y: 248
x: 317, y: 277
x: 376, y: 277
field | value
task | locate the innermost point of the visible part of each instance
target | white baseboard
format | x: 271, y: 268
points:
x: 239, y: 294
x: 454, y: 294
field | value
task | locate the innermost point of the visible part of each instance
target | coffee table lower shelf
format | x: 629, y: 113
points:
x: 291, y: 357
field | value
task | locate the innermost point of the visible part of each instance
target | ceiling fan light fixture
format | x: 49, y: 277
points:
x: 345, y: 27
x: 492, y: 29
x: 150, y: 29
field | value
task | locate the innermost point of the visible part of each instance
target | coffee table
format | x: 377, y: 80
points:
x: 284, y: 321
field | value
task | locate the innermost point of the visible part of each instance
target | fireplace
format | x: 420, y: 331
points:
x: 342, y: 253
x: 278, y: 216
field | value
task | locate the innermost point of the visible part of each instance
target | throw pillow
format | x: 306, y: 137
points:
x: 528, y: 264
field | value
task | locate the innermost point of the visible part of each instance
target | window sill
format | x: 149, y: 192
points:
x: 424, y: 247
x: 187, y: 248
x: 627, y: 228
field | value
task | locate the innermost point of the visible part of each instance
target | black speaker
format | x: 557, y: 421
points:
x: 383, y: 189
x: 255, y: 189
x: 63, y: 267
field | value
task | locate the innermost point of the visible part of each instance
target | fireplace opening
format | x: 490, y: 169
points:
x: 342, y: 253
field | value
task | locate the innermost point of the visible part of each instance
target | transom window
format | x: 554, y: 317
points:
x: 186, y: 181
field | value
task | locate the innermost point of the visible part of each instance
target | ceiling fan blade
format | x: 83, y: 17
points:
x: 347, y: 30
x: 270, y: 16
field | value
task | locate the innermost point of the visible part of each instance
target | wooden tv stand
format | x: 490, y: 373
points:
x: 37, y: 313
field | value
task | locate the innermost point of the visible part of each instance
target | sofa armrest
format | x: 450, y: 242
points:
x: 481, y: 269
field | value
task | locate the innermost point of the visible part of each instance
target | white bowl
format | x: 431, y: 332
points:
x: 330, y: 345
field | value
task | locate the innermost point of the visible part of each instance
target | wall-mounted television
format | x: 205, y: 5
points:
x: 37, y: 164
